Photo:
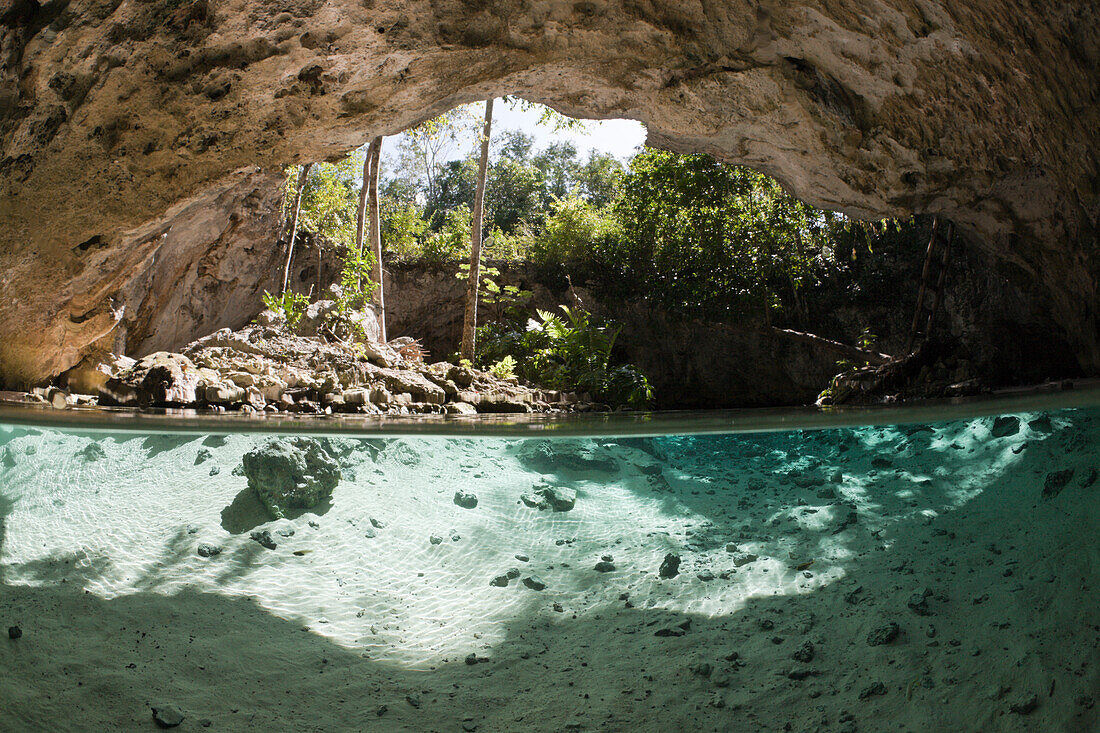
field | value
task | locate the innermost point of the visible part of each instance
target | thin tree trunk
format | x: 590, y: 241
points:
x: 378, y: 296
x: 469, y: 322
x: 361, y: 216
x: 302, y: 176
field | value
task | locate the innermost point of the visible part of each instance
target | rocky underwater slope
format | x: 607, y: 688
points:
x: 925, y: 577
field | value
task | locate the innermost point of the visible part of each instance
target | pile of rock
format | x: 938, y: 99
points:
x: 266, y: 367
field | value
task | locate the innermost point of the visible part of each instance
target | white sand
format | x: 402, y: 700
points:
x: 98, y: 568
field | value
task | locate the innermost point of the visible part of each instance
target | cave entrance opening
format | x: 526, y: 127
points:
x: 581, y: 217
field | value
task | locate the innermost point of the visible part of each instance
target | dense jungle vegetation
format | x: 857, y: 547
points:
x: 685, y: 231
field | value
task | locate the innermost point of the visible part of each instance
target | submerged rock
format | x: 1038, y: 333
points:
x: 290, y: 474
x: 1005, y: 426
x: 93, y: 452
x: 572, y: 456
x: 167, y: 716
x: 883, y: 634
x: 558, y: 498
x: 1056, y: 481
x: 670, y: 566
x: 534, y: 583
x: 264, y: 538
x: 208, y: 550
x: 465, y: 499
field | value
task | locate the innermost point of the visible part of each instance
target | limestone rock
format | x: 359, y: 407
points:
x: 465, y: 499
x: 670, y: 566
x: 167, y: 716
x: 560, y: 499
x: 158, y: 379
x: 573, y: 456
x: 291, y: 474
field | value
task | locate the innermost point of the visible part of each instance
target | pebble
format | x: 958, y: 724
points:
x: 875, y: 688
x: 918, y: 603
x: 1025, y: 705
x: 603, y: 566
x: 522, y: 558
x: 465, y: 499
x: 14, y: 632
x: 208, y: 550
x: 534, y: 583
x: 804, y: 653
x: 264, y: 538
x: 883, y: 634
x: 435, y: 539
x: 670, y: 566
x: 167, y: 716
x: 500, y: 581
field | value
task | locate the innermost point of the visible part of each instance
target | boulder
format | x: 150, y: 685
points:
x: 572, y: 456
x: 157, y: 379
x: 558, y: 498
x: 291, y: 475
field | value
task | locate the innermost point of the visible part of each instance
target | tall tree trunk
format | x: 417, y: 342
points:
x: 469, y: 322
x: 303, y: 174
x: 361, y: 217
x: 378, y: 296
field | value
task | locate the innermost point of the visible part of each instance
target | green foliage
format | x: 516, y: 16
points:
x: 451, y: 242
x: 501, y: 302
x: 330, y: 199
x: 291, y: 305
x: 701, y: 235
x: 356, y: 287
x: 571, y: 352
x: 403, y: 229
x: 575, y: 230
x: 504, y: 369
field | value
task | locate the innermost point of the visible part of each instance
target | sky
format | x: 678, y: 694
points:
x: 621, y: 138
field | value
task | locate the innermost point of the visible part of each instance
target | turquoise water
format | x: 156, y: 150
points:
x: 966, y: 544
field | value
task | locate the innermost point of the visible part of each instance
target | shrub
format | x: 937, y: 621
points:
x: 291, y: 305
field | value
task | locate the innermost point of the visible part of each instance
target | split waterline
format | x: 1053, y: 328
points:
x: 709, y: 571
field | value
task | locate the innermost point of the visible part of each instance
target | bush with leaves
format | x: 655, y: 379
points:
x: 292, y: 306
x: 572, y: 352
x: 575, y: 231
x: 356, y: 286
x: 502, y: 302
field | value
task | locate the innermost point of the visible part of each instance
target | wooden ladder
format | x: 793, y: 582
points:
x: 932, y: 278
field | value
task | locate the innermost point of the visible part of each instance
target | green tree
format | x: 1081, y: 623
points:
x: 598, y: 179
x: 469, y: 321
x: 705, y: 236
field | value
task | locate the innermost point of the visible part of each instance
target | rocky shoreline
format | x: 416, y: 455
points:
x: 266, y: 367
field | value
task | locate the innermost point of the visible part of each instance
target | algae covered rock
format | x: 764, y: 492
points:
x: 568, y: 456
x: 291, y: 474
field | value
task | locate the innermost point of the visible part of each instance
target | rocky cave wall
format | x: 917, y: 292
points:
x: 116, y: 116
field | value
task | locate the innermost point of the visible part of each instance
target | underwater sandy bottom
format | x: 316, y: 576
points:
x: 358, y: 621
